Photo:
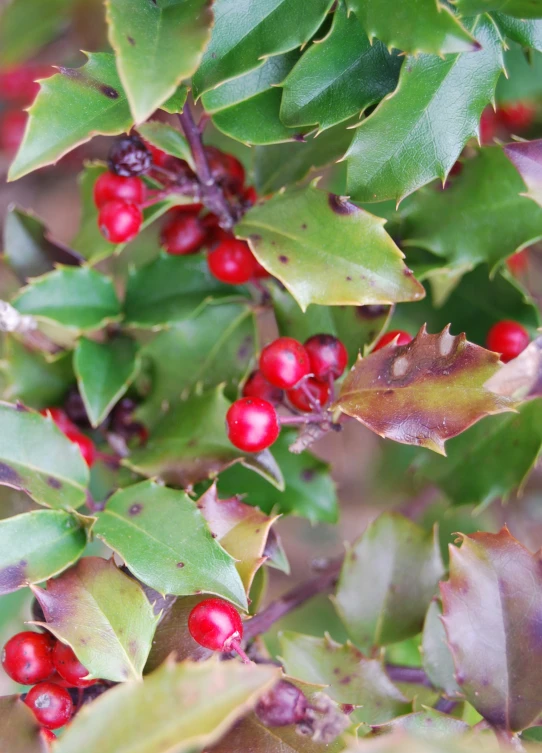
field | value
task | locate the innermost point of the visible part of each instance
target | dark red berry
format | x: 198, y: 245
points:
x: 216, y: 625
x: 260, y: 272
x: 284, y: 362
x: 85, y: 444
x: 252, y: 424
x: 51, y: 704
x: 518, y: 262
x: 232, y: 262
x: 488, y: 125
x: 129, y: 156
x: 183, y: 235
x: 12, y: 127
x: 159, y: 158
x: 327, y: 356
x: 258, y: 386
x: 119, y: 221
x: 516, y: 116
x: 215, y: 234
x: 48, y: 736
x: 403, y: 338
x: 225, y: 168
x: 28, y: 657
x: 183, y: 209
x: 507, y: 338
x: 299, y: 399
x: 109, y: 187
x: 284, y: 704
x: 250, y: 197
x: 69, y: 667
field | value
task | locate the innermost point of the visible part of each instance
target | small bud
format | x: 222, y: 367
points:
x: 282, y: 705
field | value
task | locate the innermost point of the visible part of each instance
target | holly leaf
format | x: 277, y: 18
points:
x: 495, y: 588
x: 78, y: 298
x: 388, y: 578
x: 424, y: 136
x: 526, y: 156
x: 162, y: 536
x: 516, y: 8
x: 425, y: 392
x: 194, y: 705
x: 71, y: 107
x: 247, y: 32
x: 156, y: 47
x: 104, y: 373
x: 523, y: 80
x: 103, y: 615
x: 19, y: 730
x: 247, y: 108
x: 172, y: 636
x: 349, y: 676
x: 526, y: 32
x: 20, y: 40
x: 36, y: 545
x: 351, y: 258
x: 170, y: 140
x: 521, y: 378
x: 437, y: 659
x: 338, y: 77
x: 35, y: 457
x: 428, y: 723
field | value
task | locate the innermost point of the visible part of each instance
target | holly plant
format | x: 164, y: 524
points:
x: 271, y: 282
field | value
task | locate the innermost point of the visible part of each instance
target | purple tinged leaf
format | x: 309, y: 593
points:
x: 526, y: 156
x: 19, y: 730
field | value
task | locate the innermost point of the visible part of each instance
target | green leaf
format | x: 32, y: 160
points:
x: 429, y: 723
x: 72, y: 106
x: 171, y: 289
x: 495, y: 589
x: 424, y: 132
x: 526, y: 156
x: 247, y: 108
x: 524, y: 77
x: 36, y: 545
x: 175, y: 103
x: 526, y: 32
x: 349, y: 676
x: 104, y: 373
x: 193, y: 704
x: 516, y: 8
x: 19, y: 39
x: 248, y: 31
x: 351, y: 258
x: 36, y: 458
x: 78, y: 298
x: 309, y: 489
x: 437, y: 659
x: 19, y: 730
x: 156, y: 47
x: 103, y: 615
x: 420, y: 26
x: 425, y: 392
x: 162, y: 536
x: 338, y: 76
x: 387, y: 580
x: 170, y: 140
x: 495, y: 222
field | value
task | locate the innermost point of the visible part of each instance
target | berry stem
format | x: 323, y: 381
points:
x: 315, y: 405
x: 236, y: 646
x: 310, y: 419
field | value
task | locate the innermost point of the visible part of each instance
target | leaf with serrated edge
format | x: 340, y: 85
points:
x: 492, y: 605
x: 387, y: 581
x: 103, y: 615
x: 526, y: 156
x: 156, y: 47
x: 425, y: 392
x: 516, y: 8
x: 428, y: 723
x: 36, y: 458
x: 521, y: 378
x: 351, y: 258
x: 427, y: 120
x: 437, y: 659
x: 36, y: 545
x: 19, y: 728
x: 170, y: 140
x: 162, y: 536
x: 526, y: 32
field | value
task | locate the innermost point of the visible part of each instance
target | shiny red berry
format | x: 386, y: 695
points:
x: 69, y: 667
x: 232, y: 262
x: 507, y: 338
x: 516, y: 116
x: 258, y: 386
x: 28, y: 657
x: 403, y: 338
x: 85, y: 444
x: 183, y: 235
x: 284, y: 362
x: 284, y: 704
x: 518, y: 262
x: 109, y: 187
x: 298, y: 395
x: 119, y: 221
x: 48, y: 736
x: 327, y: 356
x: 51, y: 704
x: 252, y: 424
x: 215, y: 624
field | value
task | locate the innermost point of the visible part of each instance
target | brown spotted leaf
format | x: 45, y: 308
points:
x: 493, y: 618
x: 19, y: 730
x: 425, y: 392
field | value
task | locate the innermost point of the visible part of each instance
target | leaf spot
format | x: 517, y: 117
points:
x: 135, y: 509
x: 341, y: 205
x: 400, y: 366
x: 9, y: 476
x: 131, y: 40
x: 54, y: 483
x: 283, y: 259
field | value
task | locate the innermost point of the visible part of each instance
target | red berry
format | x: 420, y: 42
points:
x: 48, y: 736
x: 182, y: 209
x: 250, y: 196
x: 488, y: 125
x: 215, y: 624
x: 12, y: 127
x: 215, y: 234
x: 258, y: 386
x: 260, y: 272
x: 225, y: 168
x: 252, y: 424
x: 516, y: 116
x: 284, y: 704
x: 284, y: 362
x: 60, y: 418
x: 159, y: 158
x: 327, y: 356
x: 69, y: 667
x: 403, y: 338
x: 507, y: 338
x: 119, y: 221
x: 183, y: 235
x: 85, y: 444
x: 19, y: 84
x: 299, y: 399
x: 518, y: 262
x: 51, y: 704
x: 28, y: 657
x: 109, y: 187
x: 232, y: 262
